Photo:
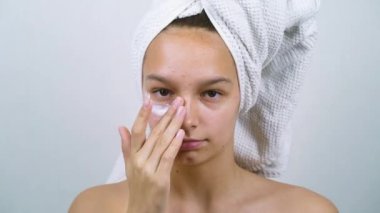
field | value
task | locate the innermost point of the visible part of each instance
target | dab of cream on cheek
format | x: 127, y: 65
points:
x: 158, y: 110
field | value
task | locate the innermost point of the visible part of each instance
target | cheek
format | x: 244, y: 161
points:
x: 220, y: 122
x: 226, y: 110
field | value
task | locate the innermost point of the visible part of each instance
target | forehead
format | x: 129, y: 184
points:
x: 189, y: 53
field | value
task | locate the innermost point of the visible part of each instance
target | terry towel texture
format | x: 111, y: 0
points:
x: 271, y: 43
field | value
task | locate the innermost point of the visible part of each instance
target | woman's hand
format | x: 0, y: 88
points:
x: 149, y: 160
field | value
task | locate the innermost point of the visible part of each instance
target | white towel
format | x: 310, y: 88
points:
x: 271, y: 43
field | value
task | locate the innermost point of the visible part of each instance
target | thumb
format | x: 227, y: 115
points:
x: 125, y: 142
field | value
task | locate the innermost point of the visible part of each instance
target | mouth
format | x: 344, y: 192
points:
x: 189, y: 144
x: 190, y: 140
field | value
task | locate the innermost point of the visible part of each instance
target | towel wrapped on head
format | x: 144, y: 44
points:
x: 271, y: 43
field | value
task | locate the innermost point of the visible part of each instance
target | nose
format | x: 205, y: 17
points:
x: 191, y: 120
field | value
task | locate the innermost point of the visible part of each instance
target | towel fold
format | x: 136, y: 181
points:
x: 271, y: 43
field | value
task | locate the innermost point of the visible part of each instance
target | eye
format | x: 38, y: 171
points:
x: 213, y: 94
x: 161, y: 93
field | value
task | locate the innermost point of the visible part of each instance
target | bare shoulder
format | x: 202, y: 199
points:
x: 102, y: 198
x: 267, y: 195
x: 299, y: 199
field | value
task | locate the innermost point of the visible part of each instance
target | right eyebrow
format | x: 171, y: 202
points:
x: 157, y: 78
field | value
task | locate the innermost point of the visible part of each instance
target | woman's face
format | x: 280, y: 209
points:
x: 196, y: 65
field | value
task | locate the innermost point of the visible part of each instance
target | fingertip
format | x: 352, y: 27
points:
x: 146, y: 109
x: 120, y: 129
x: 123, y: 132
x: 147, y: 102
x: 180, y: 134
x: 125, y: 143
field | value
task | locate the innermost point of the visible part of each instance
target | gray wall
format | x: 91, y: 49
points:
x: 64, y: 91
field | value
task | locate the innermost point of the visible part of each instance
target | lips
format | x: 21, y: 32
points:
x: 188, y: 140
x: 191, y: 144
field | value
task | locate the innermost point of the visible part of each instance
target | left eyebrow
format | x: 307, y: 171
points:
x: 216, y: 80
x: 204, y: 83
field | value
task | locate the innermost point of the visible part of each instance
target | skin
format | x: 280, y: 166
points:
x: 193, y: 69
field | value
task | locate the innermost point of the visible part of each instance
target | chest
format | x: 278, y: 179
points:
x: 220, y: 207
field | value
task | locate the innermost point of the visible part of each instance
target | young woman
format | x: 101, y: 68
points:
x: 186, y: 164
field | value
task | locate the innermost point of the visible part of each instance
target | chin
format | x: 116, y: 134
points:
x: 189, y: 158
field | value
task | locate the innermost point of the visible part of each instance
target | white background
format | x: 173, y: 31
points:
x: 64, y: 91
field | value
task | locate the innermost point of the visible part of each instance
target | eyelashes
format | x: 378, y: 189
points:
x: 162, y: 92
x: 165, y: 94
x: 212, y: 93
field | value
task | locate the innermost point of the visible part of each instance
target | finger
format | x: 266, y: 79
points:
x: 167, y: 159
x: 157, y: 131
x: 166, y: 138
x: 139, y: 126
x: 125, y: 142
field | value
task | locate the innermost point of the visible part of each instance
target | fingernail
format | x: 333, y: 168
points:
x: 146, y: 100
x: 177, y: 102
x: 121, y: 132
x: 180, y: 133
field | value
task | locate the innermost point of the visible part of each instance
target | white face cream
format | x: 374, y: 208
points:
x: 159, y: 110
